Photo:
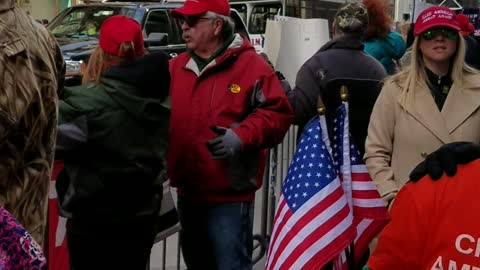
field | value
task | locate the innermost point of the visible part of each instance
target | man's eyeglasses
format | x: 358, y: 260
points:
x: 191, y: 21
x: 447, y: 33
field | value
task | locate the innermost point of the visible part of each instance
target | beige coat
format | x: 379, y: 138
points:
x: 400, y: 136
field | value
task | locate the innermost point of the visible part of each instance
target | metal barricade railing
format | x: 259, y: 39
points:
x: 276, y: 169
x: 163, y: 239
x: 277, y: 163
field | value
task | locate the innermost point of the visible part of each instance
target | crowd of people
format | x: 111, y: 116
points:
x: 206, y: 119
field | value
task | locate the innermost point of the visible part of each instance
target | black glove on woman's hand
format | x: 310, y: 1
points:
x: 446, y: 159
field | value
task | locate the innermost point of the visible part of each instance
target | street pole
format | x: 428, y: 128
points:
x: 413, y: 10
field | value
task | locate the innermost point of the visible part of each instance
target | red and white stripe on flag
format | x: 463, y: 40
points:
x: 58, y: 258
x: 313, y: 221
x: 369, y: 212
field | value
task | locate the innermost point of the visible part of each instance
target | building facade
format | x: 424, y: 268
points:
x: 402, y: 10
x: 44, y: 9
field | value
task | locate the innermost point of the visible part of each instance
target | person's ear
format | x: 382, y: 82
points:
x: 218, y: 24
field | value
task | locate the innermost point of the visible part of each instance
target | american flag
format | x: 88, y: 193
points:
x: 369, y: 212
x: 313, y: 222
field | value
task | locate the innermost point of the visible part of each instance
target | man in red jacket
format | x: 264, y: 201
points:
x: 227, y: 108
x: 435, y: 221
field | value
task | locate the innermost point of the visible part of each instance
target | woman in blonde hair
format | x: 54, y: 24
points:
x: 112, y: 138
x: 434, y: 101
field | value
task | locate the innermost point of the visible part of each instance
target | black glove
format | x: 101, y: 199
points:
x: 226, y: 145
x: 446, y: 159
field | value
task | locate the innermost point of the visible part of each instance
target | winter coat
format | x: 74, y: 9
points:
x: 237, y: 90
x: 400, y: 135
x: 434, y: 225
x: 31, y: 75
x: 386, y: 50
x: 339, y: 61
x: 113, y: 138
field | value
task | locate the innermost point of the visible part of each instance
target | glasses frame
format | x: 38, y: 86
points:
x: 192, y: 21
x: 431, y: 34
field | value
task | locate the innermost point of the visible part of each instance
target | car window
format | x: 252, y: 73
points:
x: 158, y: 21
x: 242, y: 11
x: 239, y: 24
x: 260, y: 14
x: 85, y: 21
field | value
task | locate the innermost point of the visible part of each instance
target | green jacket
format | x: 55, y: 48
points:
x: 113, y: 138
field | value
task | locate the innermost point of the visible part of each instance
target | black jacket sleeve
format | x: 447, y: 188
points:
x: 303, y: 97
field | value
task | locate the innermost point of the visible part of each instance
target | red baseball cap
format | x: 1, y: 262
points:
x: 465, y: 24
x: 434, y: 17
x: 119, y: 29
x: 195, y: 7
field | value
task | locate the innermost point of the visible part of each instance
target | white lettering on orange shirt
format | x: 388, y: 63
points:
x: 452, y: 265
x: 438, y: 264
x: 465, y: 244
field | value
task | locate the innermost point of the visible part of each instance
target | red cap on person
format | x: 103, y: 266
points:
x: 117, y: 30
x: 465, y: 24
x: 435, y: 17
x: 195, y: 7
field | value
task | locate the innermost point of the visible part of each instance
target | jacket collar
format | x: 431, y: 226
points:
x: 6, y: 5
x: 462, y: 102
x: 344, y: 42
x: 142, y: 73
x: 459, y: 105
x: 238, y: 45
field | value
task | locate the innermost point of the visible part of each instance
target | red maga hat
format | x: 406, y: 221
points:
x: 465, y: 24
x: 435, y: 17
x: 119, y: 29
x: 195, y: 7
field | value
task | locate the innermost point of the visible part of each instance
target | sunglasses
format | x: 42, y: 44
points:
x: 433, y: 33
x: 191, y: 21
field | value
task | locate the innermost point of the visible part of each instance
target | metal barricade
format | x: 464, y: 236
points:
x: 277, y: 165
x: 278, y: 160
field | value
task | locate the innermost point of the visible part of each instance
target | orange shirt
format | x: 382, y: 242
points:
x: 434, y: 225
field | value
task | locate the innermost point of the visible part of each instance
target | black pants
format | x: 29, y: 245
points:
x: 110, y: 245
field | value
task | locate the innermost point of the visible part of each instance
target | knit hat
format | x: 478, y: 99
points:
x: 117, y: 30
x: 352, y: 18
x: 435, y: 17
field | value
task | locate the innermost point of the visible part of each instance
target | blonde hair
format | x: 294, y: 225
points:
x: 415, y: 74
x: 100, y: 61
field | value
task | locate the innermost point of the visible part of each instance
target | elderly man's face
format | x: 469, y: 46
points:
x: 199, y: 31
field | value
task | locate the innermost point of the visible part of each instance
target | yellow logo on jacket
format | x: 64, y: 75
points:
x: 234, y: 88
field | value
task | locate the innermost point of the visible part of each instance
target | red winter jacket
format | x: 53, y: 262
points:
x: 237, y: 90
x: 434, y: 225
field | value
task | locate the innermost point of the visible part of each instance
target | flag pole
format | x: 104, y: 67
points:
x: 320, y: 106
x: 323, y: 123
x: 348, y: 251
x: 344, y: 93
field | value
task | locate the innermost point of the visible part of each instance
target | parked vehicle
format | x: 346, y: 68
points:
x: 255, y: 14
x: 76, y: 29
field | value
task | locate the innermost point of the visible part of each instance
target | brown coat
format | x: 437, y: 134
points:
x: 400, y: 136
x: 31, y: 74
